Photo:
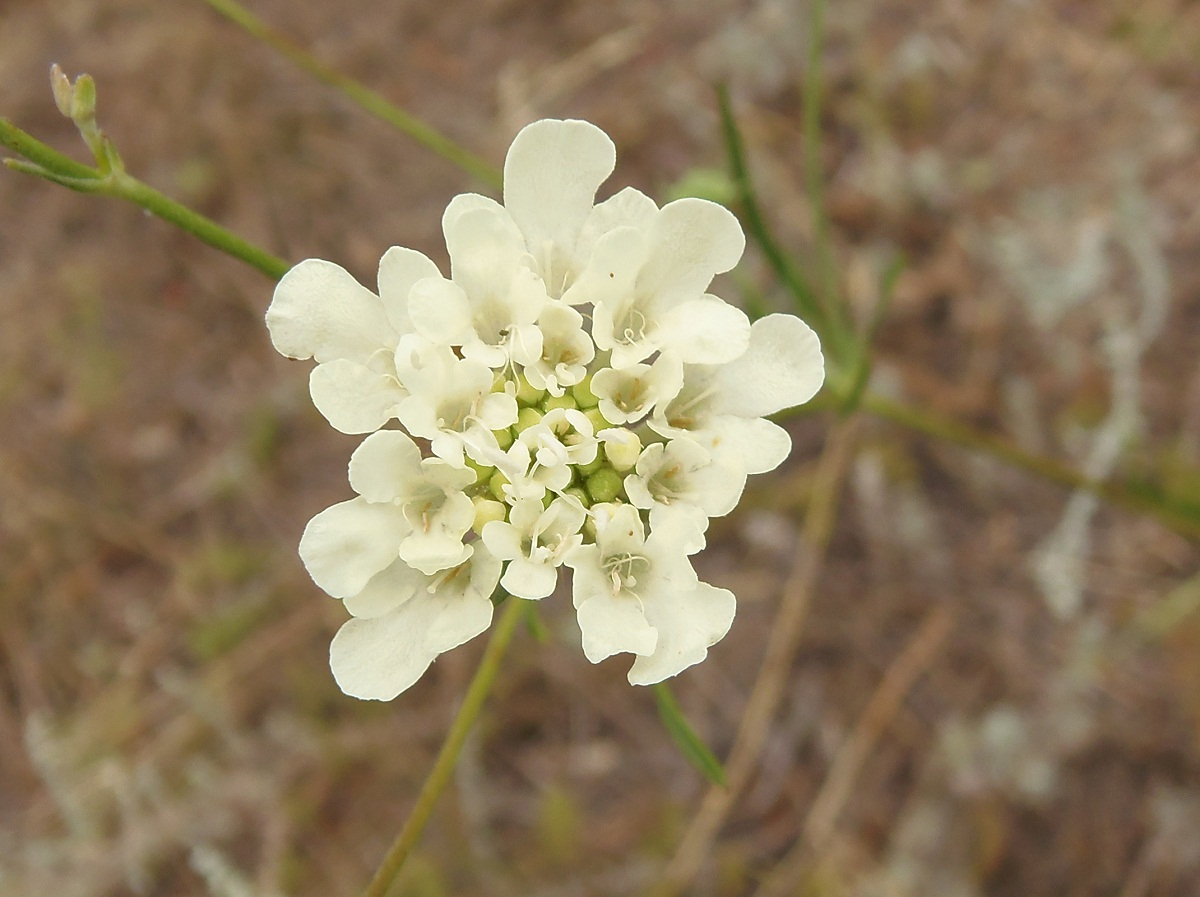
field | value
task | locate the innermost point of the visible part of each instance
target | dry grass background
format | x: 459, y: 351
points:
x: 167, y: 721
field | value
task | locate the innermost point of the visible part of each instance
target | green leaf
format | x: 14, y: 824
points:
x: 689, y: 743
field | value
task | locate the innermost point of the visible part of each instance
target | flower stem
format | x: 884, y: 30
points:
x: 443, y: 767
x: 1169, y: 511
x: 47, y: 163
x: 205, y: 229
x: 363, y: 96
x: 785, y: 269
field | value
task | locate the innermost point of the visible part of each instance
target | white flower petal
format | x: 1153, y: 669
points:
x: 781, y: 368
x: 347, y: 544
x: 399, y: 270
x: 625, y: 208
x: 707, y: 330
x: 687, y: 623
x: 529, y: 579
x: 551, y: 174
x: 502, y: 539
x: 319, y: 311
x: 612, y: 625
x: 386, y: 591
x: 435, y: 550
x: 467, y: 202
x: 753, y: 442
x: 690, y: 241
x: 377, y: 659
x: 353, y: 398
x: 440, y: 311
x: 386, y: 466
x: 485, y: 251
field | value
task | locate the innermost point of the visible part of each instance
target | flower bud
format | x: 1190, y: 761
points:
x: 497, y: 483
x: 527, y: 393
x: 583, y: 395
x: 604, y: 484
x: 526, y: 418
x: 622, y: 447
x: 563, y: 401
x: 83, y: 100
x: 486, y: 510
x: 63, y: 91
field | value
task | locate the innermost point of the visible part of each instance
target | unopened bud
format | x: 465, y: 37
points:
x: 63, y: 92
x: 526, y: 418
x: 583, y: 394
x: 622, y: 447
x: 563, y: 401
x: 83, y: 100
x: 528, y: 394
x: 486, y: 510
x: 604, y: 484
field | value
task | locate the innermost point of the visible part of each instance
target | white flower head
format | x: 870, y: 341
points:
x: 628, y: 394
x: 571, y: 395
x: 724, y: 407
x: 680, y: 477
x: 535, y: 540
x: 451, y: 403
x: 413, y: 617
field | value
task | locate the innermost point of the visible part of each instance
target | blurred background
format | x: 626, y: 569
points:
x: 996, y: 684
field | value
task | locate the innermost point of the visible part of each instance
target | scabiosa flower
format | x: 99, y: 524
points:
x: 571, y: 395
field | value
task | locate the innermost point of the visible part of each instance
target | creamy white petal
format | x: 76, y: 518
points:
x: 353, y: 398
x: 378, y: 658
x: 385, y: 466
x: 551, y: 174
x: 528, y: 579
x: 687, y: 623
x: 781, y: 368
x: 625, y: 208
x: 440, y: 311
x: 707, y: 330
x: 347, y: 544
x: 467, y: 202
x: 319, y: 311
x: 387, y: 590
x: 612, y: 625
x: 611, y: 273
x: 690, y: 241
x: 434, y: 550
x: 502, y: 538
x: 754, y: 442
x: 399, y: 270
x: 485, y: 249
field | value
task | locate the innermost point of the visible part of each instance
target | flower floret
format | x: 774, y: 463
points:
x: 571, y: 395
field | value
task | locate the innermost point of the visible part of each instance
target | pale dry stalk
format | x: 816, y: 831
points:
x: 819, y: 521
x: 886, y: 701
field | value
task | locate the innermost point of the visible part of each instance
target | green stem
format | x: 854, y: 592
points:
x: 439, y: 776
x: 52, y: 165
x: 814, y: 173
x: 35, y: 151
x: 1055, y: 471
x: 366, y: 98
x: 756, y: 224
x: 205, y: 229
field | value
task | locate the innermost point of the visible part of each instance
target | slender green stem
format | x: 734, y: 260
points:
x: 443, y: 767
x: 207, y: 230
x: 37, y: 152
x: 1115, y: 493
x: 814, y: 170
x: 756, y: 224
x: 47, y: 163
x: 367, y: 99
